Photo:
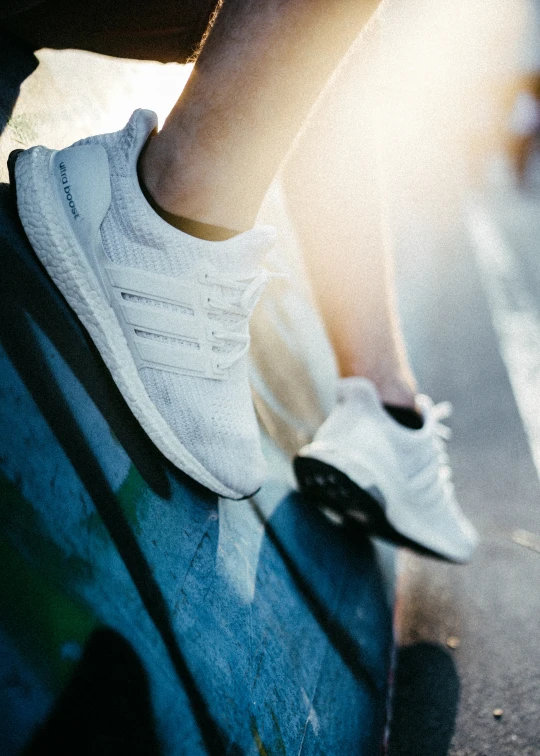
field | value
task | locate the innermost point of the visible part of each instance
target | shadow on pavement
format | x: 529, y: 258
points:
x: 426, y: 695
x: 105, y: 708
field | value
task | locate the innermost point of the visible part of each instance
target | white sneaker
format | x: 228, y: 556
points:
x: 168, y: 312
x: 394, y: 480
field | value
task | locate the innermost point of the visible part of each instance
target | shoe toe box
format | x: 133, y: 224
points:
x: 216, y: 423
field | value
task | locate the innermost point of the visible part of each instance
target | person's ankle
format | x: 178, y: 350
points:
x: 190, y: 226
x: 180, y: 190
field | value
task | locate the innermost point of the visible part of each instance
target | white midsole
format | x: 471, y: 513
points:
x: 64, y: 259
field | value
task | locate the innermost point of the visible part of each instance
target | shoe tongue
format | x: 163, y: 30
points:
x: 242, y: 255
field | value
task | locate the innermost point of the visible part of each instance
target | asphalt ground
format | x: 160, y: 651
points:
x: 469, y: 635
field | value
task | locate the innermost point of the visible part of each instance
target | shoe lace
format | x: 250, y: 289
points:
x: 439, y: 412
x: 244, y: 295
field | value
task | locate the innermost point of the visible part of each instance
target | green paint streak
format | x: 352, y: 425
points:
x: 257, y: 738
x: 40, y: 617
x: 131, y: 496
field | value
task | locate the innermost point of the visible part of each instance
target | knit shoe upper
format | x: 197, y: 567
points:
x: 168, y: 312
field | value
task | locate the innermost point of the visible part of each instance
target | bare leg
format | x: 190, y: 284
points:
x: 333, y: 187
x: 260, y: 70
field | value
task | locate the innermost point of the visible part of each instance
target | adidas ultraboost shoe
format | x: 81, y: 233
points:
x: 168, y: 312
x: 392, y: 479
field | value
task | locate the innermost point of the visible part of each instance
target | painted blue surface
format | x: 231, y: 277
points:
x: 262, y: 627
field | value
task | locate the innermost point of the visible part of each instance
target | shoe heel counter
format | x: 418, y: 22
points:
x: 81, y: 177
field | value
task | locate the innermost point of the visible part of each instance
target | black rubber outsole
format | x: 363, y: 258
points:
x: 329, y: 488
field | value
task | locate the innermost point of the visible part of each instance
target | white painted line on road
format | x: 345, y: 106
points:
x: 514, y: 312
